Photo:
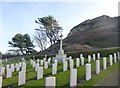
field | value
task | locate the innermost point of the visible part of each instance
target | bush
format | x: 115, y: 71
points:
x: 103, y: 52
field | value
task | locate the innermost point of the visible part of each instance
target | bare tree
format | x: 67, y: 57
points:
x: 41, y: 40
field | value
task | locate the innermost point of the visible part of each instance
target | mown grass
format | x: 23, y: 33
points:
x: 100, y: 76
x: 62, y: 78
x: 30, y: 75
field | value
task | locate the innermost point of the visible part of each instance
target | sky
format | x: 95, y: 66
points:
x: 18, y: 16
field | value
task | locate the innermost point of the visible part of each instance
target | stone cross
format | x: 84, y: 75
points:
x: 61, y: 41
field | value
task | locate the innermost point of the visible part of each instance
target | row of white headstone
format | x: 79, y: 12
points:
x: 42, y: 62
x: 39, y: 69
x: 88, y: 66
x: 51, y: 81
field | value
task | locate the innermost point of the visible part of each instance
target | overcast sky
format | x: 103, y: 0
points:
x: 19, y: 17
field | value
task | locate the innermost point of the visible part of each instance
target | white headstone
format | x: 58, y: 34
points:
x: 31, y: 61
x: 6, y: 59
x: 104, y: 63
x: 56, y: 62
x: 118, y: 55
x: 73, y: 77
x: 89, y: 58
x: 20, y: 64
x: 53, y: 59
x: 77, y: 62
x: 33, y: 65
x: 54, y: 69
x: 44, y: 59
x: 94, y: 57
x: 21, y: 78
x: 38, y: 60
x: 23, y: 66
x: 81, y: 55
x: 71, y: 64
x: 111, y: 59
x: 115, y: 58
x: 1, y: 79
x: 36, y: 66
x: 97, y: 66
x: 17, y: 66
x: 98, y: 55
x: 23, y: 59
x: 70, y: 58
x: 64, y: 65
x: 88, y: 71
x: 7, y: 66
x: 40, y: 73
x: 49, y: 60
x: 9, y: 73
x: 82, y: 61
x: 0, y: 61
x: 12, y: 67
x: 41, y: 62
x: 50, y: 82
x: 2, y: 70
x: 45, y: 65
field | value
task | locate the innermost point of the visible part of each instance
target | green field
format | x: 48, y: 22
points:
x: 62, y: 78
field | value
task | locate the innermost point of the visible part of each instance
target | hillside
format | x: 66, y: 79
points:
x: 100, y: 32
x: 92, y: 34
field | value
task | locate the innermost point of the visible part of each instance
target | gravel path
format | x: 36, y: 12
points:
x: 110, y: 80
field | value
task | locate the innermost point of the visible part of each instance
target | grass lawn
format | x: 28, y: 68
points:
x: 101, y: 75
x: 62, y: 78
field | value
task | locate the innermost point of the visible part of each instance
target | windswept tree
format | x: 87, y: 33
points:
x: 23, y: 42
x: 51, y: 29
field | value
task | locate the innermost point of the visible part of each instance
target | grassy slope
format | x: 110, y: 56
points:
x: 100, y: 76
x: 62, y: 78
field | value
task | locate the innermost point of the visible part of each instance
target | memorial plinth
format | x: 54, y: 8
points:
x: 60, y: 56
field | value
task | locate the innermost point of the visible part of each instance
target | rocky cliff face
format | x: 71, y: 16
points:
x: 100, y: 32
